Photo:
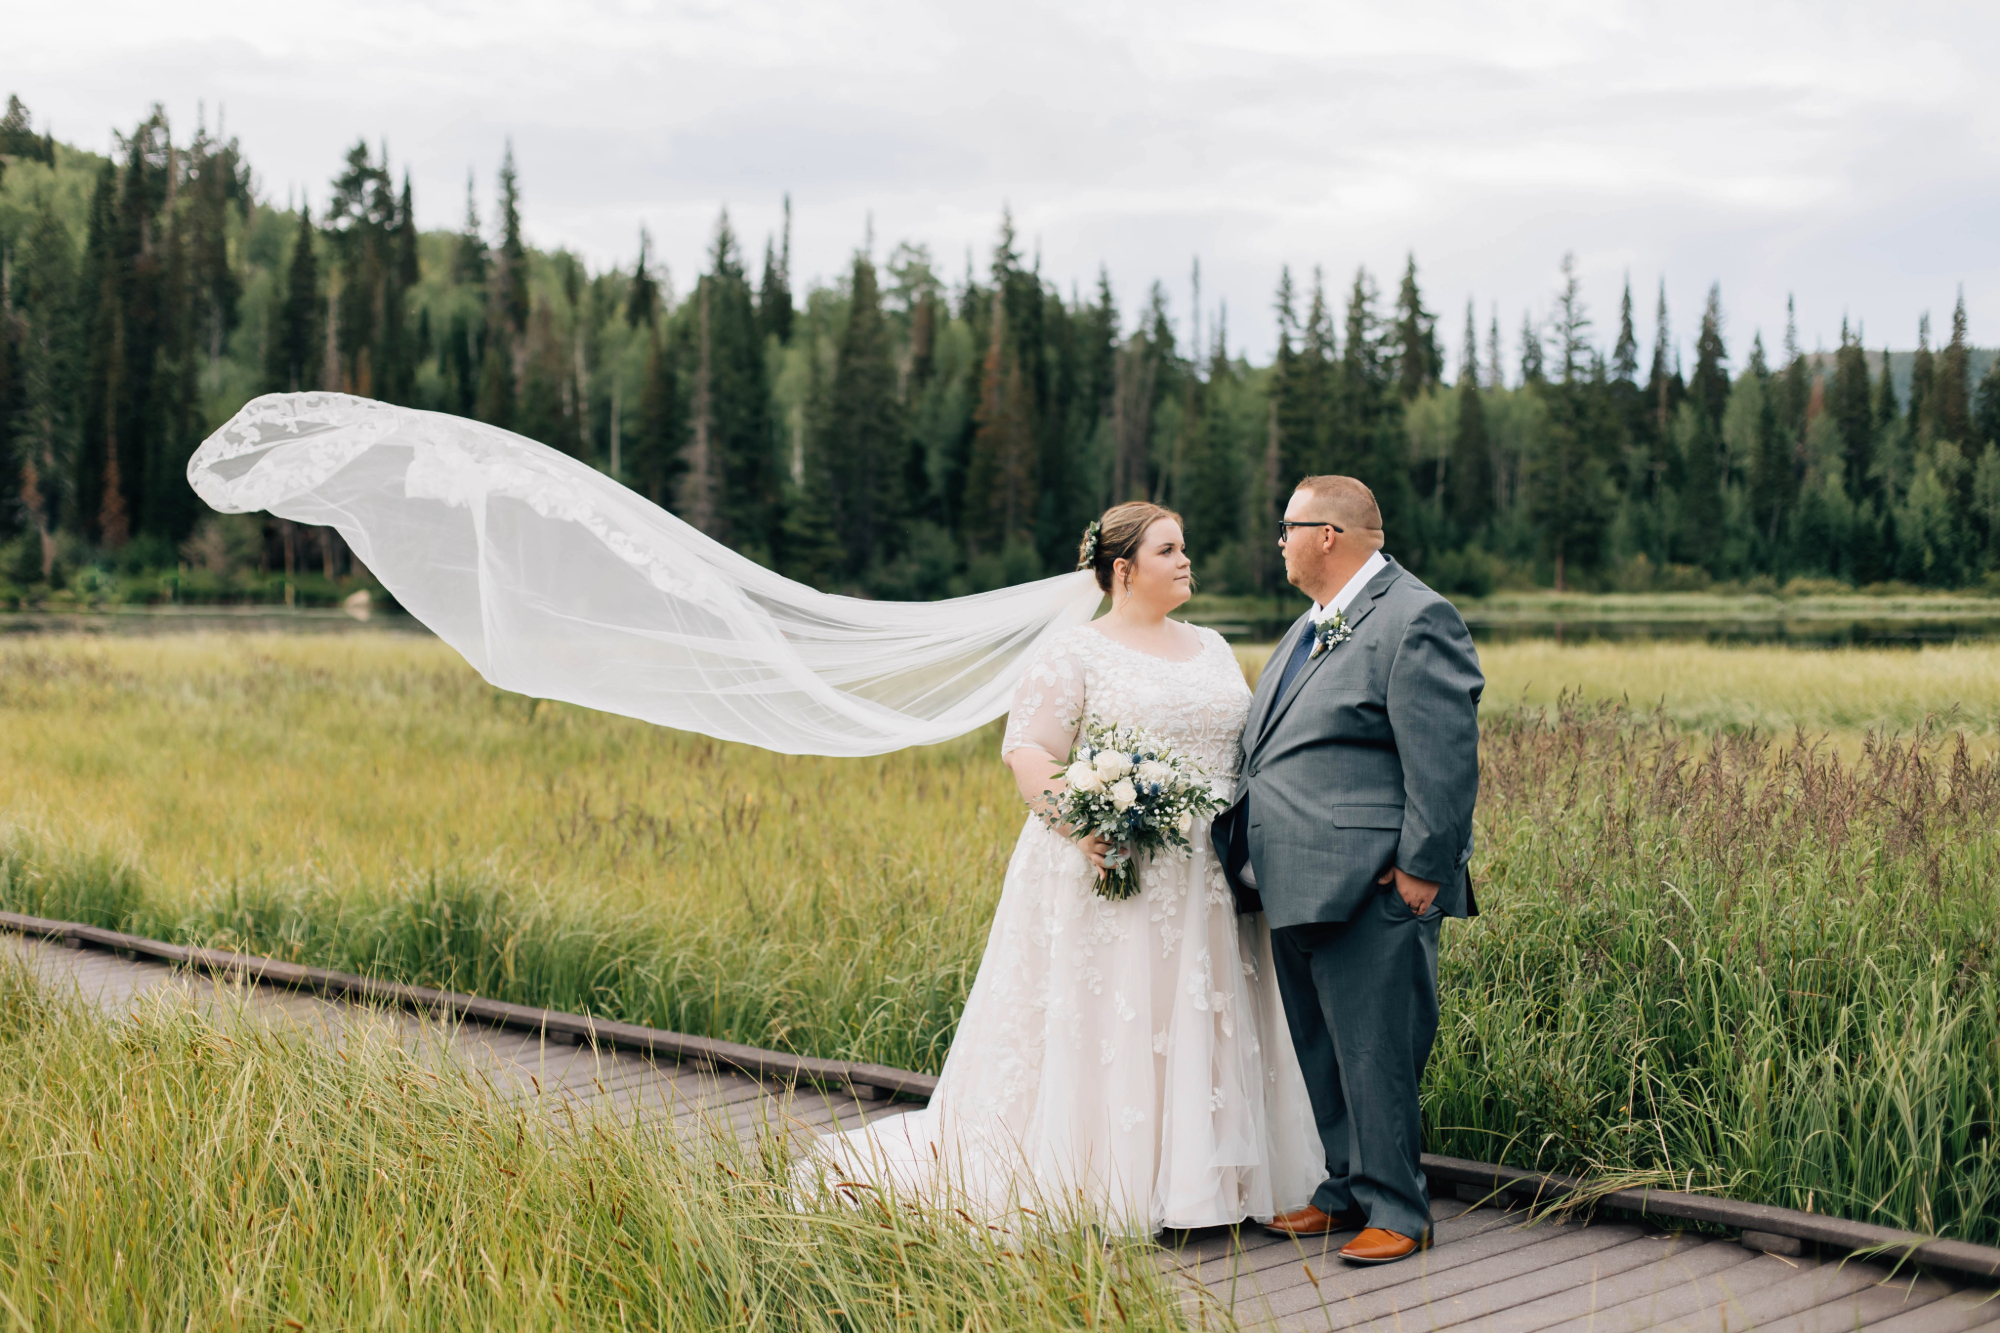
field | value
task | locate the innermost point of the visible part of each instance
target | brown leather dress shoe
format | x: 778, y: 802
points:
x: 1310, y: 1221
x: 1376, y: 1246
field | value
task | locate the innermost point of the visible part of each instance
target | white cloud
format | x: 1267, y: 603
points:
x: 1845, y: 152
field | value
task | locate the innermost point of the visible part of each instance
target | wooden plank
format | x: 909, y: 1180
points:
x: 1239, y: 1282
x: 1491, y: 1301
x: 1886, y: 1298
x: 1675, y: 1305
x: 1956, y: 1255
x: 1668, y: 1261
x: 1407, y: 1303
x: 1958, y: 1312
x: 1778, y: 1305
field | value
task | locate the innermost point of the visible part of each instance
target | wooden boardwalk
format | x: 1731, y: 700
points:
x: 1493, y: 1270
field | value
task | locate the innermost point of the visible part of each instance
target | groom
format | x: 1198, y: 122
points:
x: 1361, y: 765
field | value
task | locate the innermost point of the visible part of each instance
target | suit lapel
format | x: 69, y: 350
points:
x: 1359, y: 610
x: 1267, y: 684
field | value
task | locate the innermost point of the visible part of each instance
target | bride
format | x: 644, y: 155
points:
x: 1133, y: 1055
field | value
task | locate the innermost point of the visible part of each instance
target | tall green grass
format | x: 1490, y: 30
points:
x: 175, y: 1171
x: 1765, y: 971
x: 1761, y: 966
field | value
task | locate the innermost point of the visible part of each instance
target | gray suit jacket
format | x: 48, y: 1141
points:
x: 1370, y: 759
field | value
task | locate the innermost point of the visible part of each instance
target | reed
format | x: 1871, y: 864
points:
x: 180, y: 1170
x: 1742, y: 959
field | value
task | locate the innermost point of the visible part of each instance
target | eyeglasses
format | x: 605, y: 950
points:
x: 1285, y: 526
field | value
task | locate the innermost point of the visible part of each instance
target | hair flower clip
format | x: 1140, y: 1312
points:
x: 1086, y: 555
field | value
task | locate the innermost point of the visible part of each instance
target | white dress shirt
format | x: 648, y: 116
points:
x: 1370, y: 567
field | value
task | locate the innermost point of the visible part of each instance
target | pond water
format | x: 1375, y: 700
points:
x: 1803, y: 631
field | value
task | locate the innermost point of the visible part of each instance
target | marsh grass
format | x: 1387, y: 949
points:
x: 182, y: 1170
x: 1846, y: 692
x: 1761, y: 969
x: 1760, y: 961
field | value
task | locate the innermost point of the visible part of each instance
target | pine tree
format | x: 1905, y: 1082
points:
x: 1469, y: 479
x: 18, y: 137
x: 1853, y: 417
x: 1773, y: 481
x: 861, y: 431
x: 730, y: 406
x: 296, y: 348
x: 1625, y: 354
x: 1419, y: 363
x: 543, y: 413
x: 657, y: 462
x: 1356, y: 406
x: 1708, y: 394
x: 1135, y: 391
x: 102, y: 365
x: 511, y: 275
x: 1294, y: 423
x: 1213, y: 497
x: 470, y: 261
x: 1571, y: 324
x: 1986, y: 415
x: 44, y: 420
x: 1887, y: 410
x: 167, y: 506
x: 1663, y: 386
x: 774, y: 294
x: 1000, y: 479
x: 360, y: 222
x: 1923, y: 371
x: 1627, y: 402
x: 217, y: 185
x: 1709, y: 388
x: 642, y: 294
x: 1532, y: 368
x: 1496, y: 368
x: 1951, y: 405
x: 1327, y: 442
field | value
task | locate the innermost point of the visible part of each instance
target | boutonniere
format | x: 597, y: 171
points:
x: 1329, y: 631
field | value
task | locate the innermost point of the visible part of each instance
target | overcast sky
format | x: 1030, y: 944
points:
x: 1849, y: 153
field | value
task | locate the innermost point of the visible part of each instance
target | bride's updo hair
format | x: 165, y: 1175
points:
x: 1117, y: 536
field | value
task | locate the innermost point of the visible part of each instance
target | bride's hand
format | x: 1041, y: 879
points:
x: 1094, y: 847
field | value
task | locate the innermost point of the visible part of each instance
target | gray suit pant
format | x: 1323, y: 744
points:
x: 1361, y: 1001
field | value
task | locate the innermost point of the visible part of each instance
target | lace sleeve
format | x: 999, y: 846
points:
x: 1048, y: 707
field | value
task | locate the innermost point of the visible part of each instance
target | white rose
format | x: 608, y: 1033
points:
x: 1155, y: 771
x: 1124, y: 794
x: 1187, y: 822
x: 1112, y: 765
x: 1083, y: 777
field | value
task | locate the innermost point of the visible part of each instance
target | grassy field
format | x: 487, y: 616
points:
x: 1845, y: 692
x: 1711, y: 953
x: 185, y: 1172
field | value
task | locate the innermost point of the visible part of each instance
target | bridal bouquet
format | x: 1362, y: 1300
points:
x: 1137, y: 794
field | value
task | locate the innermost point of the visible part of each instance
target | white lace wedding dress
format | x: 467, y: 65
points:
x: 1131, y: 1056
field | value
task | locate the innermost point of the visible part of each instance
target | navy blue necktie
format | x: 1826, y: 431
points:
x: 1301, y: 654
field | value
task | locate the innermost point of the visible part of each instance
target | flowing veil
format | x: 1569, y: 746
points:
x: 555, y: 581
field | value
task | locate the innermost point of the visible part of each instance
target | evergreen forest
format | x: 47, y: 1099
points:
x: 908, y: 433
